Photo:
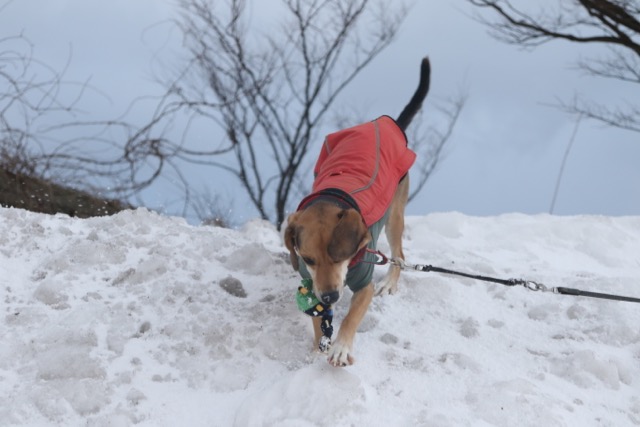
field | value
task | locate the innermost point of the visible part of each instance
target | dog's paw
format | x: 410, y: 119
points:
x: 324, y: 344
x: 340, y: 355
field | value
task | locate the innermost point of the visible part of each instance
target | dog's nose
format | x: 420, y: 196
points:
x: 330, y: 297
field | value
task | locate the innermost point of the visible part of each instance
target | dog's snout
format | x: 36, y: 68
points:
x: 330, y: 297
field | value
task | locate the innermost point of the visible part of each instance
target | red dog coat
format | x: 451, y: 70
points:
x: 367, y: 162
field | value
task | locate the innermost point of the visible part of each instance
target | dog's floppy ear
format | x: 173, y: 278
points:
x: 349, y: 236
x: 290, y: 239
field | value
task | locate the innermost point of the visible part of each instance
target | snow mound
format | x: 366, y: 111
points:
x: 141, y: 319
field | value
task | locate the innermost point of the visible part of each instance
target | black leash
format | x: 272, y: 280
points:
x: 529, y: 284
x: 579, y: 293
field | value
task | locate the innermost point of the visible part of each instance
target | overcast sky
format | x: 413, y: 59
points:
x: 507, y: 148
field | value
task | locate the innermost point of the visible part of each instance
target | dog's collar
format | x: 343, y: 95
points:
x: 333, y: 195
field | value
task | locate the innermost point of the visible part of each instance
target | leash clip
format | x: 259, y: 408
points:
x: 534, y: 286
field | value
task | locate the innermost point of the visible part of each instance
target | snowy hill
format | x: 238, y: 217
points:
x: 140, y: 319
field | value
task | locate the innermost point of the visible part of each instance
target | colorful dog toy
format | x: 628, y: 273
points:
x: 309, y: 304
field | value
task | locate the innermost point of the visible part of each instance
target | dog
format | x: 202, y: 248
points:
x: 361, y: 184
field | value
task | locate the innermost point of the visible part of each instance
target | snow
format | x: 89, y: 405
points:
x: 141, y: 319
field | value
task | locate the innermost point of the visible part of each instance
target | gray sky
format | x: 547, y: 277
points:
x: 507, y: 148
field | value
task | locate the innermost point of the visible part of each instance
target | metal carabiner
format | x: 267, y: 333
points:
x: 535, y: 286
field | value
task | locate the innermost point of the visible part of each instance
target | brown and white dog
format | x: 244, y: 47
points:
x: 361, y: 183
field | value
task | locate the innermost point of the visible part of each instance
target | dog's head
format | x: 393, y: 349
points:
x: 326, y: 237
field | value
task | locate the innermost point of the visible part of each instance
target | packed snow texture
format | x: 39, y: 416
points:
x: 140, y: 319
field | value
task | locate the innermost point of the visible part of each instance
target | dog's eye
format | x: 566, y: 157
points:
x: 308, y: 261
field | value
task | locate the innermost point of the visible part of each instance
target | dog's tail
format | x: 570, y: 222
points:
x: 416, y: 101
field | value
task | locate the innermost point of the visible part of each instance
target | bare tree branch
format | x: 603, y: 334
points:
x: 43, y: 136
x: 615, y: 23
x: 626, y: 117
x: 269, y: 93
x: 583, y: 21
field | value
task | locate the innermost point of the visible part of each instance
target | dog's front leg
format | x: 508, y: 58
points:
x: 341, y: 350
x: 317, y: 331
